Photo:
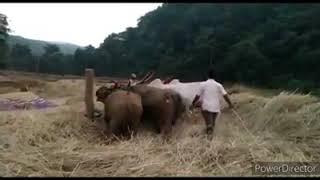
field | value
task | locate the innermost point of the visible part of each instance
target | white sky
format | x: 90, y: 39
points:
x: 77, y: 23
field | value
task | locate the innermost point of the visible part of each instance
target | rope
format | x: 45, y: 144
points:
x: 242, y: 122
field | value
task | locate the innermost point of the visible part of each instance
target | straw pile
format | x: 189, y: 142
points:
x: 63, y: 88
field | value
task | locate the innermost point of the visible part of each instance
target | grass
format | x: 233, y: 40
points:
x: 62, y: 142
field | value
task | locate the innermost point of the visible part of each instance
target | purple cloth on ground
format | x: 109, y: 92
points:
x: 16, y: 104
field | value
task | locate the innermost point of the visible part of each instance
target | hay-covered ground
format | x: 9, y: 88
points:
x: 62, y: 142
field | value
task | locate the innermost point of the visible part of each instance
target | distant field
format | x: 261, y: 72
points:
x: 60, y: 141
x: 51, y: 77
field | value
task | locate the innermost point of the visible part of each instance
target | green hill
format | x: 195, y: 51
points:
x: 36, y: 46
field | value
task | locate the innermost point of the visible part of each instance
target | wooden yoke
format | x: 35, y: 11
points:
x: 89, y: 78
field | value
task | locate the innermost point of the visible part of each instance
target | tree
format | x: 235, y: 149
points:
x: 21, y: 58
x: 51, y: 48
x: 3, y: 27
x: 51, y: 60
x: 4, y: 30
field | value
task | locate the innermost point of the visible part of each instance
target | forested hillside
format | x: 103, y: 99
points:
x: 37, y: 46
x: 273, y: 45
x: 270, y: 45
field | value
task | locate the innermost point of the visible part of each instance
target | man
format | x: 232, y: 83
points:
x: 132, y: 79
x: 208, y: 99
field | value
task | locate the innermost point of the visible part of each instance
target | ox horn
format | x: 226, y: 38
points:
x: 146, y: 78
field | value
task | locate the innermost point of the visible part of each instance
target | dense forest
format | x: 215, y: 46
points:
x: 267, y: 45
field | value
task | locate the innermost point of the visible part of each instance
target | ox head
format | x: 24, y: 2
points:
x: 104, y: 91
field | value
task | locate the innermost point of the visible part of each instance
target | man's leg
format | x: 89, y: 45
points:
x: 214, y: 116
x: 208, y: 119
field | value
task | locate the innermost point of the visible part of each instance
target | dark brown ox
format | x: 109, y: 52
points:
x: 123, y: 110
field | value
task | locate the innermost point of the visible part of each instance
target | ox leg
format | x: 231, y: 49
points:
x: 166, y: 131
x: 134, y: 127
x: 107, y: 130
x: 162, y: 124
x: 166, y: 126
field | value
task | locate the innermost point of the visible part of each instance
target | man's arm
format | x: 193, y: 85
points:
x: 226, y: 96
x: 227, y: 99
x: 195, y: 99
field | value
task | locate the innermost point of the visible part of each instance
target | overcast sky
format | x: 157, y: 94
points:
x: 77, y: 23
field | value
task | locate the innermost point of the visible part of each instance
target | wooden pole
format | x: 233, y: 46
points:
x: 89, y: 77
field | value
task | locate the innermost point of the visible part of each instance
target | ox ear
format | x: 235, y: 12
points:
x: 115, y: 85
